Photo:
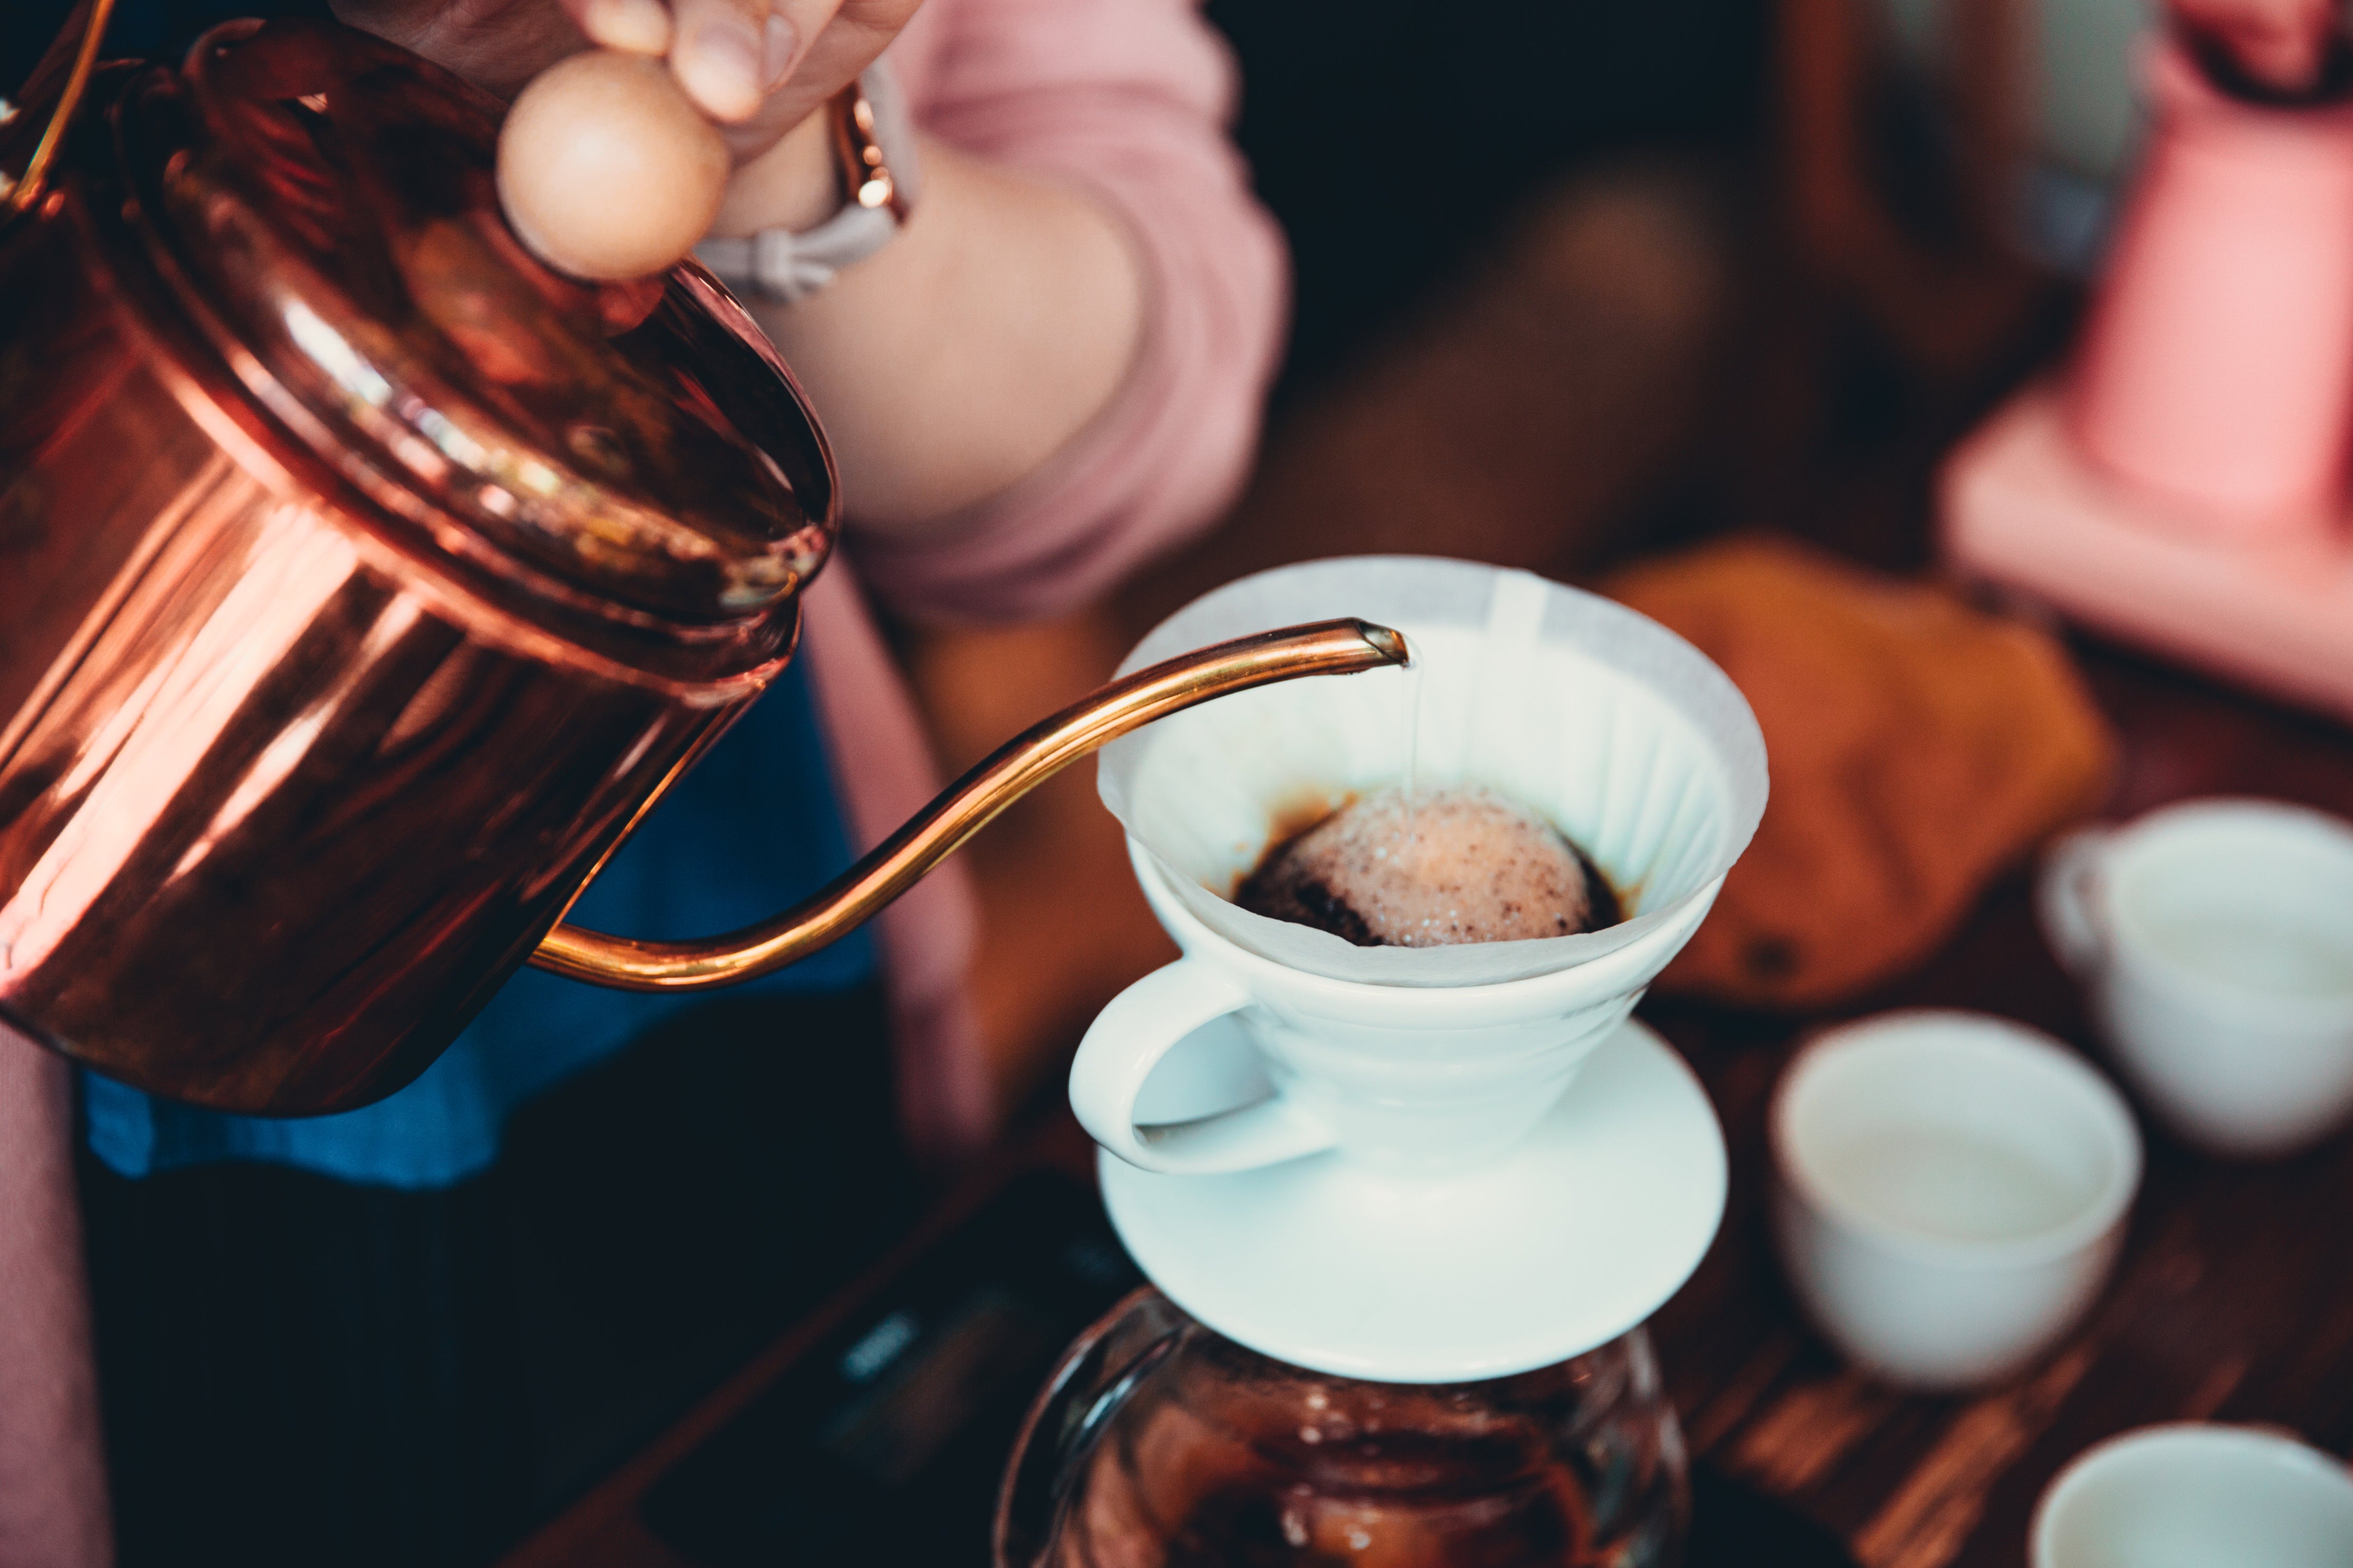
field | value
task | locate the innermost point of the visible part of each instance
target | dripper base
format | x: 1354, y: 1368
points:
x: 1576, y: 1236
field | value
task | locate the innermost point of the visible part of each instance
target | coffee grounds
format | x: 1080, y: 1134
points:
x: 1434, y: 869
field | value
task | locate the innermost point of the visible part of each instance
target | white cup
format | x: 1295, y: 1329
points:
x: 2194, y: 1495
x: 1418, y: 1078
x: 2215, y: 940
x: 1950, y: 1192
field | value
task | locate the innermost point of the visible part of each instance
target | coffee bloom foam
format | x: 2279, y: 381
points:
x: 1401, y: 868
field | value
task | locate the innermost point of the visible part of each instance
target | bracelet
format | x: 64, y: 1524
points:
x: 874, y: 148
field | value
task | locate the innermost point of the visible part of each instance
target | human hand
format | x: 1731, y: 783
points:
x: 2282, y: 44
x: 757, y: 68
x: 605, y: 168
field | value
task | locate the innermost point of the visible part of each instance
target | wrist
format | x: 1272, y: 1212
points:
x: 833, y: 191
x: 793, y: 185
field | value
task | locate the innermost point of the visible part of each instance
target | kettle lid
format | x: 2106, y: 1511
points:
x: 323, y: 204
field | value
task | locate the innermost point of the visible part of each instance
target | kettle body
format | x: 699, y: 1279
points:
x: 300, y: 752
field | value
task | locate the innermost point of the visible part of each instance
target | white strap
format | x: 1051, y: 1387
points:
x: 777, y: 263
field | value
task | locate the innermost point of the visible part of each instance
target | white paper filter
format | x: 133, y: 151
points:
x: 1628, y: 738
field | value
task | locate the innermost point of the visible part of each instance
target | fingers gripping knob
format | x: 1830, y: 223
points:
x: 605, y: 171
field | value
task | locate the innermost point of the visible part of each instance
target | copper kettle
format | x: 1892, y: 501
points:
x: 362, y: 581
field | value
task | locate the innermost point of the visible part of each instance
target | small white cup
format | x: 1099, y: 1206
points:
x: 1950, y: 1192
x: 2193, y: 1495
x: 2215, y: 940
x: 1412, y: 1078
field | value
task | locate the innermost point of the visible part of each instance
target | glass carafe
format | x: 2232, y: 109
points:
x: 1158, y: 1442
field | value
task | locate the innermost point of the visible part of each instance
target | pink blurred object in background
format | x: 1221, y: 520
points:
x: 2183, y: 485
x: 2282, y: 46
x: 2021, y: 506
x: 2217, y: 370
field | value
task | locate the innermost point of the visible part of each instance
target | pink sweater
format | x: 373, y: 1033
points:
x: 1127, y: 99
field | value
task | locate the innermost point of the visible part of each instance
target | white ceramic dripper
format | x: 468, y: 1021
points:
x: 1422, y: 1164
x: 1624, y: 736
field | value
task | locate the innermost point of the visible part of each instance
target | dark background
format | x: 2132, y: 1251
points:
x: 1390, y: 140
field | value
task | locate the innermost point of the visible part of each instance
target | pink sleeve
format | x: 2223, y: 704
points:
x: 53, y: 1509
x: 885, y: 767
x: 1129, y: 98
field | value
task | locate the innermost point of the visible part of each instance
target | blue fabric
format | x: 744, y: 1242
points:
x: 753, y: 827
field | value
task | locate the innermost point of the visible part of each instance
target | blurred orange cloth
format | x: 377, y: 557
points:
x: 1917, y: 747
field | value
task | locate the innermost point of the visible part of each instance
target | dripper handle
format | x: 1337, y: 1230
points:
x: 1128, y: 1039
x: 1323, y: 648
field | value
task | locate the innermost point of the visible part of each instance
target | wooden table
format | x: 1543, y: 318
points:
x: 2233, y: 1298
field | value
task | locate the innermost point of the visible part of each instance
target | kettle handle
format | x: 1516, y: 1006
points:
x: 19, y: 194
x: 1324, y: 648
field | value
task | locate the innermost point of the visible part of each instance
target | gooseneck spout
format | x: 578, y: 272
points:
x: 1326, y: 647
